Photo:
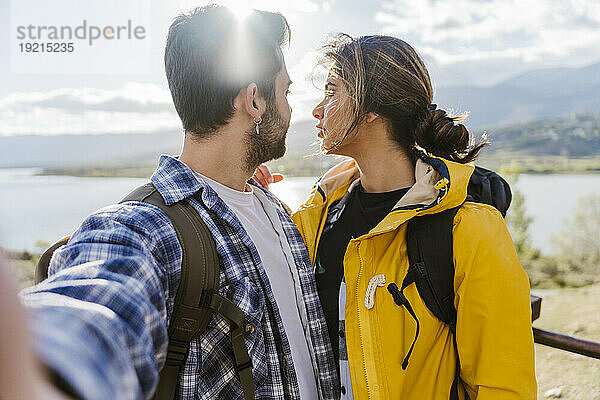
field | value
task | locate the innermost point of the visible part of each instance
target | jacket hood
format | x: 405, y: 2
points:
x: 440, y: 184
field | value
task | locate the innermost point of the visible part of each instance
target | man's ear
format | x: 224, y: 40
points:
x: 254, y: 104
x: 370, y: 117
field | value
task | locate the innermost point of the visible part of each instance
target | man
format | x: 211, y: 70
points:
x: 100, y: 320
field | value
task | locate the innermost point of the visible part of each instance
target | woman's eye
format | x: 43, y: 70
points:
x: 329, y: 93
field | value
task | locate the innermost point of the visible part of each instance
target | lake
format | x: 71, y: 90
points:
x: 47, y: 208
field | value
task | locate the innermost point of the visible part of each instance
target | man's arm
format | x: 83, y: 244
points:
x: 493, y: 334
x: 100, y: 320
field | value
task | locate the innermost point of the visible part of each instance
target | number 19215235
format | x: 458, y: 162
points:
x: 46, y: 47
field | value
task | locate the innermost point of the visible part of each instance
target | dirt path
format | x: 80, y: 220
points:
x: 573, y: 312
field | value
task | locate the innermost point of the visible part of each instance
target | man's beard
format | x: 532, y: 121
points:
x: 269, y: 143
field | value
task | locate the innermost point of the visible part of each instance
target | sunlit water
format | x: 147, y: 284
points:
x: 47, y: 208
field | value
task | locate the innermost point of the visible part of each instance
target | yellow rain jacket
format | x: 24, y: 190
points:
x: 493, y: 333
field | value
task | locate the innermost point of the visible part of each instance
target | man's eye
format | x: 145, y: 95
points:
x: 329, y: 93
x: 288, y: 92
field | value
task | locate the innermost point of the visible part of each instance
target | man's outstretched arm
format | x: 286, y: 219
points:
x: 100, y: 320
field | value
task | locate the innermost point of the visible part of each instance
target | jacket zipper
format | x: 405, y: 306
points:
x: 358, y: 310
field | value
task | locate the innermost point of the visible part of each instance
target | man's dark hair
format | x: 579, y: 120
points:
x: 211, y: 55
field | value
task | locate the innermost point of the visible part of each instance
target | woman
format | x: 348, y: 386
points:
x: 377, y: 107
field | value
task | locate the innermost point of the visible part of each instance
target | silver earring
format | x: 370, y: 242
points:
x: 258, y: 123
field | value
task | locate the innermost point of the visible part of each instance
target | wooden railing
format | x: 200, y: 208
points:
x: 558, y: 340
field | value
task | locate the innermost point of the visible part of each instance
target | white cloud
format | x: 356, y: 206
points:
x: 133, y: 108
x: 142, y: 94
x: 529, y: 30
x: 49, y: 121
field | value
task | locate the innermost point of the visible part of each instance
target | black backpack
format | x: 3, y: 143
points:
x: 430, y: 255
x: 197, y: 297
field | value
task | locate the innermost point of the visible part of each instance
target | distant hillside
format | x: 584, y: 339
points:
x: 541, y: 146
x: 535, y: 95
x: 112, y: 150
x: 77, y: 150
x: 573, y: 136
x: 570, y: 136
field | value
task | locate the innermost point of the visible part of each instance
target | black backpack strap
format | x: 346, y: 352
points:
x: 431, y: 262
x: 431, y: 268
x: 197, y: 297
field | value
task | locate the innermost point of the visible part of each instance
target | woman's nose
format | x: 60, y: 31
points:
x: 318, y: 111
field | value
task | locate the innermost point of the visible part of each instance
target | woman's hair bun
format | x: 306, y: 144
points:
x: 444, y: 136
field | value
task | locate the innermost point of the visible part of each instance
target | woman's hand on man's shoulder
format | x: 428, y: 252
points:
x: 264, y: 177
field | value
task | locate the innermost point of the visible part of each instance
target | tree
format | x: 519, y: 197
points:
x: 517, y: 219
x: 578, y: 244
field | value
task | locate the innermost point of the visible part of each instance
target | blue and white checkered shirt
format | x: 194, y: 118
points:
x: 100, y: 320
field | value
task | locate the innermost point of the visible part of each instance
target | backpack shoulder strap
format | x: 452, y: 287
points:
x: 431, y: 268
x: 41, y: 268
x: 197, y: 246
x: 197, y: 296
x: 431, y: 262
x: 188, y: 319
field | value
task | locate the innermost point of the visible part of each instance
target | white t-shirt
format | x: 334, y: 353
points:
x: 260, y: 220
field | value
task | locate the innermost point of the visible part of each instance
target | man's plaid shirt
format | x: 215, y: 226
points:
x: 100, y: 320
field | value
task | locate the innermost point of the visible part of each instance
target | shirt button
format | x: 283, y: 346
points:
x: 250, y: 328
x: 375, y: 387
x: 341, y: 333
x: 343, y: 389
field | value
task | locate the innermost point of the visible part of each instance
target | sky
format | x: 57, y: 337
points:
x: 122, y: 89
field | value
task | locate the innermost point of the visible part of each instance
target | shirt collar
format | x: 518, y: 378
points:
x: 176, y: 181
